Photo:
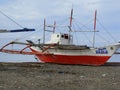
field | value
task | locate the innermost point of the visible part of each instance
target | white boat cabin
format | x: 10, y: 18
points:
x: 61, y: 38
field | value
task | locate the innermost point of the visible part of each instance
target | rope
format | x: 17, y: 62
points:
x: 84, y: 32
x: 106, y: 30
x: 11, y: 19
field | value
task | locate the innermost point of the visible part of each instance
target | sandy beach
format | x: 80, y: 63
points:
x: 41, y: 76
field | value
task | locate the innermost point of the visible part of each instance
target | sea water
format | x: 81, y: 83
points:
x: 115, y: 58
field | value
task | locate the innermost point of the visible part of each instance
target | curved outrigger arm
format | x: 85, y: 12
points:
x: 22, y: 51
x: 45, y: 49
x: 6, y: 45
x: 28, y: 45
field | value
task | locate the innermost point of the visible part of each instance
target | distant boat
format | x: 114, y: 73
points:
x: 61, y: 49
x: 16, y: 30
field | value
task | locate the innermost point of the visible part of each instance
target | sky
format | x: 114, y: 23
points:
x: 31, y: 13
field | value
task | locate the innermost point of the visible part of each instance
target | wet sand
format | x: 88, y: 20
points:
x: 41, y: 76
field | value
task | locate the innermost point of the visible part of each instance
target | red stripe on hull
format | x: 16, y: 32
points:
x: 84, y: 60
x: 67, y: 59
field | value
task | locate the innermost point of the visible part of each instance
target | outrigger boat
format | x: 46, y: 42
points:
x: 61, y: 50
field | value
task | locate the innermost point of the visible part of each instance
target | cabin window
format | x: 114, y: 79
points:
x: 57, y: 35
x: 66, y: 36
x: 62, y: 36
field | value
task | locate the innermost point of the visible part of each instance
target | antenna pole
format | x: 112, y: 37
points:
x: 95, y: 18
x: 44, y: 31
x: 54, y: 26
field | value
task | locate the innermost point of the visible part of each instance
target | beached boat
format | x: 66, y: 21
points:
x: 61, y: 49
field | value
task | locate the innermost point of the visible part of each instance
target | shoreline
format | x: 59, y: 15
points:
x: 40, y: 63
x: 44, y: 76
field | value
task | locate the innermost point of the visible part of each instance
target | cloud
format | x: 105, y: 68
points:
x: 31, y: 13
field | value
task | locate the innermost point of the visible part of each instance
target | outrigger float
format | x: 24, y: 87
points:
x: 61, y: 50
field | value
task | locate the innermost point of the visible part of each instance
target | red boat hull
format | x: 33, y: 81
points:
x: 64, y: 59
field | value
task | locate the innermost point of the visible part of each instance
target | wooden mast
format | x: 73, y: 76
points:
x: 95, y: 18
x: 44, y: 31
x: 54, y: 26
x: 70, y: 25
x: 71, y: 17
